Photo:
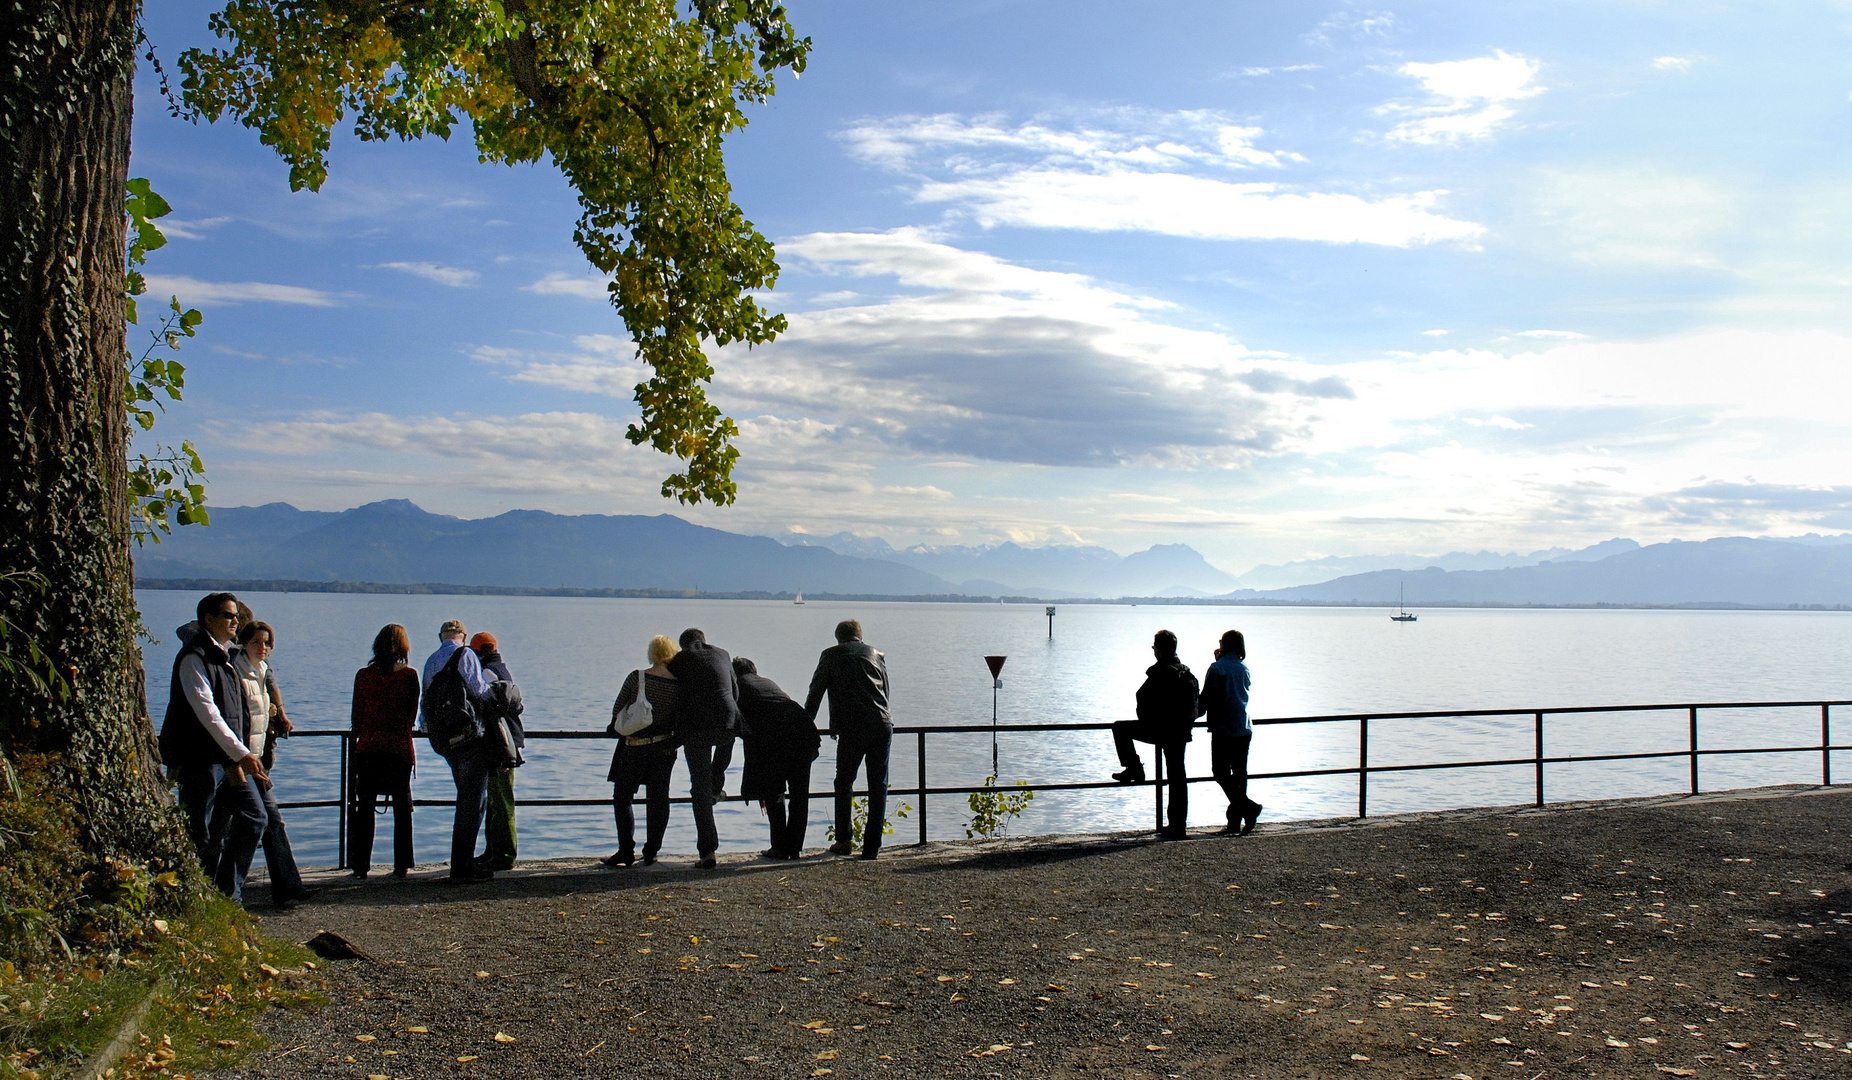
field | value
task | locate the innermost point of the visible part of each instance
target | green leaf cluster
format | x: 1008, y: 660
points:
x: 858, y: 821
x: 994, y: 808
x: 168, y: 487
x: 630, y: 99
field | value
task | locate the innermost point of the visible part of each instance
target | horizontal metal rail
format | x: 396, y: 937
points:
x: 1692, y: 752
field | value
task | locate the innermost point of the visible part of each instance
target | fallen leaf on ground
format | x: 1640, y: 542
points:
x: 419, y: 1030
x: 357, y: 1038
x: 464, y: 1059
x: 503, y: 1037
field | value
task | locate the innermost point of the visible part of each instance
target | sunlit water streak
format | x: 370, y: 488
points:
x: 571, y: 655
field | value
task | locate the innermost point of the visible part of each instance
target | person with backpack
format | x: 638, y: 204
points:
x: 454, y: 689
x: 1168, y: 705
x: 505, y: 697
x: 643, y: 718
x: 781, y: 742
x: 1231, y: 732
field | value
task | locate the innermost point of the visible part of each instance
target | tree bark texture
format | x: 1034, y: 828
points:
x: 65, y: 108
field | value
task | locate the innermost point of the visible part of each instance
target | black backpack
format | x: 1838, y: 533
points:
x: 449, y: 715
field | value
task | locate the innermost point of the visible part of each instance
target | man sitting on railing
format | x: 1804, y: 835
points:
x: 1168, y: 706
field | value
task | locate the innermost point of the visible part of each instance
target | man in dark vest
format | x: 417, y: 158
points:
x: 205, y: 740
x: 854, y: 675
x: 707, y: 718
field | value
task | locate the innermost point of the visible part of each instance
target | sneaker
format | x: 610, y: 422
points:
x: 619, y: 858
x: 1134, y: 774
x: 868, y: 855
x: 1253, y: 820
x: 706, y: 862
x: 842, y: 847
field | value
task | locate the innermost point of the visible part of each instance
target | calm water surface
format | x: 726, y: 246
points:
x: 570, y: 656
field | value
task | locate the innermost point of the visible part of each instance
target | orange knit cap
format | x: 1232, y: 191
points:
x: 482, y: 639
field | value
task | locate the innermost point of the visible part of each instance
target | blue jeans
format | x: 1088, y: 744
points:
x: 707, y: 777
x: 852, y: 750
x: 471, y: 769
x: 209, y: 793
x: 285, y: 878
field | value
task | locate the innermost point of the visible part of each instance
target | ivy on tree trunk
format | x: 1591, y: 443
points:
x: 65, y: 110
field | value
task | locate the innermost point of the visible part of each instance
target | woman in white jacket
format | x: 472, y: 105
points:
x: 250, y: 660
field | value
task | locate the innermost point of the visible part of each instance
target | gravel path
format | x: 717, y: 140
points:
x: 1691, y: 936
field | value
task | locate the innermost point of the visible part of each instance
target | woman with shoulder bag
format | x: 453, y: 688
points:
x: 643, y: 718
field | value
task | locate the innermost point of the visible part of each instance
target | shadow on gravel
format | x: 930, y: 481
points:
x: 1822, y: 964
x: 1021, y: 857
x: 437, y: 890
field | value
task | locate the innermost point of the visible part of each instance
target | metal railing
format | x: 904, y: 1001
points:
x: 1363, y: 770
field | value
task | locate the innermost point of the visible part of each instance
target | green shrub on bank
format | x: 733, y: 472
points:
x: 82, y: 946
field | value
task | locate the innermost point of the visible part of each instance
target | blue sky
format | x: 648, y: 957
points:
x: 1277, y: 280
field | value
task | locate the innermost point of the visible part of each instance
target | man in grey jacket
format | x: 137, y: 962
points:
x: 854, y: 675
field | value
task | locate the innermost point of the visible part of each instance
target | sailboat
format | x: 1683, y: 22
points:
x: 799, y: 600
x: 1402, y: 614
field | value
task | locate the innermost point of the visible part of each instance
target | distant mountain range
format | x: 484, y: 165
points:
x: 1311, y: 571
x: 397, y: 543
x: 1736, y: 570
x: 1053, y: 571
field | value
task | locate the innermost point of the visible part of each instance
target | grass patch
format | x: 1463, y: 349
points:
x: 211, y: 976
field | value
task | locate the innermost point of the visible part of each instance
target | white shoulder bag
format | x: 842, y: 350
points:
x: 637, y: 715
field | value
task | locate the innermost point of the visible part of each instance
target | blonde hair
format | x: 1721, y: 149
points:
x: 662, y: 650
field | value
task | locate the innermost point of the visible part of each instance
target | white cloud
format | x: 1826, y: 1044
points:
x: 557, y: 284
x: 1504, y: 422
x: 1568, y: 334
x: 1434, y: 333
x: 1642, y: 217
x: 443, y: 275
x: 1141, y: 172
x: 194, y: 291
x: 1178, y: 205
x: 181, y: 229
x: 1672, y: 63
x: 1467, y: 99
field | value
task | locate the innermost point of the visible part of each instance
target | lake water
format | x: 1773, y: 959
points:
x: 570, y: 656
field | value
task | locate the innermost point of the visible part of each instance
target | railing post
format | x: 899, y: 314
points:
x: 1363, y: 768
x: 340, y: 855
x: 922, y: 787
x: 1826, y: 741
x: 1157, y: 785
x: 1539, y: 759
x: 1694, y: 749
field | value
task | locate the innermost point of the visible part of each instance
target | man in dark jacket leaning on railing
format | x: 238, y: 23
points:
x: 707, y: 717
x: 854, y: 674
x: 1168, y: 705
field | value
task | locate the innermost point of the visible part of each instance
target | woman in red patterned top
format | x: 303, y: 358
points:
x: 385, y: 708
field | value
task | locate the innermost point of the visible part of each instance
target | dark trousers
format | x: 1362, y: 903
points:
x: 375, y: 775
x: 206, y: 793
x: 285, y: 878
x: 470, y: 768
x: 707, y: 778
x: 498, y: 824
x: 790, y: 823
x: 852, y: 751
x: 1125, y: 732
x: 647, y: 767
x: 1228, y: 763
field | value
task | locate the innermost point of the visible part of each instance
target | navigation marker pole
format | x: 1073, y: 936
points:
x: 996, y: 684
x: 1050, y: 609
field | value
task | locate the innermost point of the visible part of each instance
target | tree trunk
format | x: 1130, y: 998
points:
x: 65, y: 109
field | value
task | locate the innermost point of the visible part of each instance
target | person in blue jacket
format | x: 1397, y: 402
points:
x: 1225, y: 700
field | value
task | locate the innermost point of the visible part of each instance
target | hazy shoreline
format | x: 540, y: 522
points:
x: 444, y: 589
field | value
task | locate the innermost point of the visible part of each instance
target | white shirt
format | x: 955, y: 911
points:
x: 198, y: 690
